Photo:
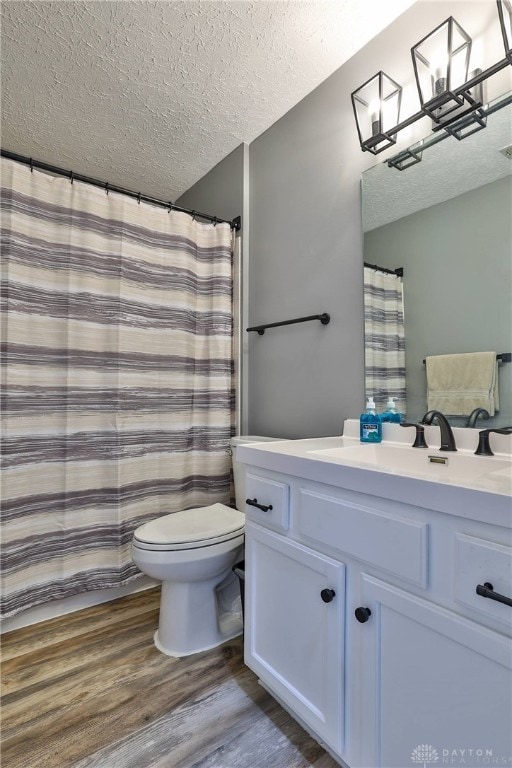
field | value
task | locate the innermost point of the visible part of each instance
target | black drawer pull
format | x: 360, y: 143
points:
x: 263, y: 507
x: 487, y: 590
x: 327, y: 595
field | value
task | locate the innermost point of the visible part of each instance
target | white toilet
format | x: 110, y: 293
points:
x: 192, y: 553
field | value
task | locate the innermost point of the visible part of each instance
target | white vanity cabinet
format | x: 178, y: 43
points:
x: 295, y: 631
x: 294, y: 613
x: 362, y: 618
x: 428, y: 676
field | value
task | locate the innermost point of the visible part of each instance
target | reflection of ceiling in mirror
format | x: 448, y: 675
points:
x: 448, y: 169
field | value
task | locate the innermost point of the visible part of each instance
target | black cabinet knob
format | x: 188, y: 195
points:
x: 327, y: 595
x: 362, y: 614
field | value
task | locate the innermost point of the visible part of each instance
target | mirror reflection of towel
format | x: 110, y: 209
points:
x: 457, y: 384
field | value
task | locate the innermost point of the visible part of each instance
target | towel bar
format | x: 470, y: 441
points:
x: 503, y: 357
x: 324, y: 319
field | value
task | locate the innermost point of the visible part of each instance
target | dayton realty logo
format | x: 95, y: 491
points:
x: 424, y: 754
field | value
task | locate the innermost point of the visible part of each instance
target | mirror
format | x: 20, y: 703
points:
x: 447, y: 222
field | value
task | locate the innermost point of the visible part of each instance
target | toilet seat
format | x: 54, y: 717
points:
x: 191, y: 529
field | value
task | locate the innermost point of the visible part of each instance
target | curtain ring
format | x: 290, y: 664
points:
x: 214, y: 221
x: 106, y: 188
x: 193, y: 215
x: 171, y: 206
x: 71, y: 176
x: 31, y: 166
x: 138, y: 198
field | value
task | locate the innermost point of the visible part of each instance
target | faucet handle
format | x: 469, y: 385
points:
x: 419, y: 440
x: 484, y: 449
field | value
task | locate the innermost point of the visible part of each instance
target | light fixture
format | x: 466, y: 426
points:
x: 376, y: 107
x: 505, y: 15
x: 452, y: 99
x: 467, y: 125
x: 406, y: 158
x: 474, y: 121
x: 460, y: 129
x: 441, y: 64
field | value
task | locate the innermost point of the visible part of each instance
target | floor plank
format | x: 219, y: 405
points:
x: 90, y: 690
x: 41, y: 635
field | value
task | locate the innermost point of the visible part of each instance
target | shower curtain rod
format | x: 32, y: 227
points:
x: 235, y: 224
x: 399, y: 271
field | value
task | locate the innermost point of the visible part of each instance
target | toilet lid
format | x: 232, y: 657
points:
x: 192, y: 526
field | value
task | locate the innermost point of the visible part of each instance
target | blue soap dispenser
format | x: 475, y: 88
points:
x: 370, y: 424
x: 391, y: 415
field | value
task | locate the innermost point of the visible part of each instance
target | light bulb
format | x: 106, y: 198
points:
x: 438, y: 70
x: 374, y: 112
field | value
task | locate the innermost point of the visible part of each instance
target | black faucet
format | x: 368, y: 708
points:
x: 473, y: 416
x: 447, y: 438
x: 484, y: 449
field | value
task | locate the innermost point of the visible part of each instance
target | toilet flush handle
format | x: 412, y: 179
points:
x: 263, y: 507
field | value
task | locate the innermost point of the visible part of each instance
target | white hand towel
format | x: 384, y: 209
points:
x: 457, y: 384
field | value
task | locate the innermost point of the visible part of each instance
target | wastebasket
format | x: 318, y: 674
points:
x: 239, y: 570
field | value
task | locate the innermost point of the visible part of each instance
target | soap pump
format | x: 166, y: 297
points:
x: 370, y: 424
x: 391, y: 414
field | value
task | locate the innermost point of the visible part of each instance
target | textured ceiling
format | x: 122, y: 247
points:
x: 447, y: 170
x: 151, y: 95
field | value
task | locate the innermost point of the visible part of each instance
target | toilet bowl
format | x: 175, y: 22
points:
x: 192, y: 553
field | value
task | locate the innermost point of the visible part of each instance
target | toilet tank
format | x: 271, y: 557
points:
x: 239, y: 469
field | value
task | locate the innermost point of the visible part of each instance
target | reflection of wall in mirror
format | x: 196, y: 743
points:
x: 457, y: 284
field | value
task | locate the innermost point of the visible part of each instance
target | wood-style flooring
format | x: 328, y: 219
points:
x: 90, y: 690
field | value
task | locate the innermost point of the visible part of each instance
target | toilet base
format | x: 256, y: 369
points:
x: 193, y: 615
x: 174, y: 655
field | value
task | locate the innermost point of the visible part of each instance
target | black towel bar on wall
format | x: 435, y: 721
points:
x: 503, y: 357
x: 260, y: 329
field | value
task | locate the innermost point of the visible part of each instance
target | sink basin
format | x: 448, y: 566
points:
x: 438, y: 465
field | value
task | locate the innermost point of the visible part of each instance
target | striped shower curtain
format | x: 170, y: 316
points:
x: 384, y: 337
x: 118, y: 397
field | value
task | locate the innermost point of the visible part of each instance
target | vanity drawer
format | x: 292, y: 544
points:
x: 478, y: 561
x: 268, y: 493
x: 396, y: 545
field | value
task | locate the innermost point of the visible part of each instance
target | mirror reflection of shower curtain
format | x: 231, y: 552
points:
x: 118, y: 379
x: 384, y: 337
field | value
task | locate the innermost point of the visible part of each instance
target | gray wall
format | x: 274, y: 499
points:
x: 457, y: 283
x: 306, y: 245
x: 219, y: 193
x: 305, y: 241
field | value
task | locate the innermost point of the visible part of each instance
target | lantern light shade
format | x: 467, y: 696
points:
x: 505, y: 14
x: 376, y: 107
x: 441, y: 63
x: 469, y: 123
x: 407, y: 157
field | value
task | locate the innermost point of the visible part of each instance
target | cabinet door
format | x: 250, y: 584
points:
x: 435, y: 687
x: 294, y: 639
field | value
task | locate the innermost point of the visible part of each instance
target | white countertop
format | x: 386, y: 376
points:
x: 481, y: 497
